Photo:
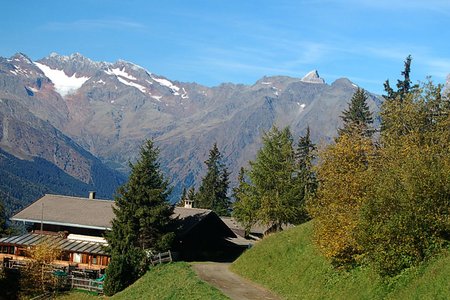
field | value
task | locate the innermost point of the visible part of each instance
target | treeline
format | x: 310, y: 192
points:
x: 385, y: 200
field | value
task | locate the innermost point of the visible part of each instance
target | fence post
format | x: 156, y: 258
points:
x: 170, y: 256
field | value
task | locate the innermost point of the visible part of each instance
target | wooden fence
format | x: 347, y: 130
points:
x: 86, y: 284
x: 161, y: 258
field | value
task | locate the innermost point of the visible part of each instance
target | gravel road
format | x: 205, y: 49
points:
x: 231, y: 284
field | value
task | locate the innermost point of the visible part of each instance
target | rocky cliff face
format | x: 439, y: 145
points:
x: 110, y: 108
x: 32, y: 115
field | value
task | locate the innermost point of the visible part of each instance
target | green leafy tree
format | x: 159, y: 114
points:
x: 36, y: 277
x: 358, y: 115
x: 142, y: 221
x: 405, y: 219
x: 342, y: 172
x: 213, y: 191
x: 342, y: 175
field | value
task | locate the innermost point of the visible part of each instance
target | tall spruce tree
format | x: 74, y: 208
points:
x: 305, y: 155
x: 358, y: 116
x: 213, y: 191
x: 404, y: 86
x: 142, y: 221
x: 393, y: 107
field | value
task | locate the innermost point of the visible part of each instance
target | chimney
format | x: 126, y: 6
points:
x: 91, y: 195
x: 188, y: 203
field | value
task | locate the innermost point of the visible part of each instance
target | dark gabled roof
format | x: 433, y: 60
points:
x: 89, y: 213
x: 32, y: 239
x: 188, y: 218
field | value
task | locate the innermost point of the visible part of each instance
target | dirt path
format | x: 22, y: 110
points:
x: 231, y: 284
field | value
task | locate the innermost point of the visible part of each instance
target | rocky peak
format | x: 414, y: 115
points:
x: 20, y: 57
x: 312, y: 77
x: 74, y: 63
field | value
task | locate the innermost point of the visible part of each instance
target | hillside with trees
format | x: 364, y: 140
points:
x: 385, y: 201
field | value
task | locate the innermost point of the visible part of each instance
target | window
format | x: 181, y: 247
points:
x: 77, y: 257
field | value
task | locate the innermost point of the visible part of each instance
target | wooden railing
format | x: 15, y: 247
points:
x: 14, y: 264
x: 161, y: 258
x: 86, y: 284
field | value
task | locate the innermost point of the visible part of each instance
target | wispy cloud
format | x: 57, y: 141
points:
x: 94, y: 24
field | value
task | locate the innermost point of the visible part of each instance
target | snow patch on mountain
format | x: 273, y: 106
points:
x: 167, y: 83
x: 63, y: 84
x: 133, y: 84
x: 185, y: 94
x: 312, y: 77
x: 120, y: 72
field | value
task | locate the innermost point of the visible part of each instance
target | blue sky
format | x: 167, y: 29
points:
x: 216, y: 41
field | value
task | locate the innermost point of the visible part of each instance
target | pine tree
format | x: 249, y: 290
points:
x: 358, y: 116
x: 213, y: 191
x: 404, y: 87
x: 142, y: 218
x: 305, y: 155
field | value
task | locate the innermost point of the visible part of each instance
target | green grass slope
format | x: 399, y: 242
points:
x: 172, y: 281
x: 290, y: 265
x: 175, y: 281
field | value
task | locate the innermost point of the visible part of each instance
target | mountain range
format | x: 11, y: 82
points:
x: 86, y: 120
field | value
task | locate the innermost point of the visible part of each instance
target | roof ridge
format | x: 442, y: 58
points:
x: 77, y: 197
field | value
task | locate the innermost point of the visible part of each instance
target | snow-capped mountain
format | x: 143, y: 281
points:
x: 110, y: 108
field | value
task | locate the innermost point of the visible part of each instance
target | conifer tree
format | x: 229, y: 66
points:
x: 304, y: 155
x: 404, y: 86
x: 142, y: 221
x: 246, y: 205
x: 358, y: 116
x: 273, y: 196
x: 213, y: 191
